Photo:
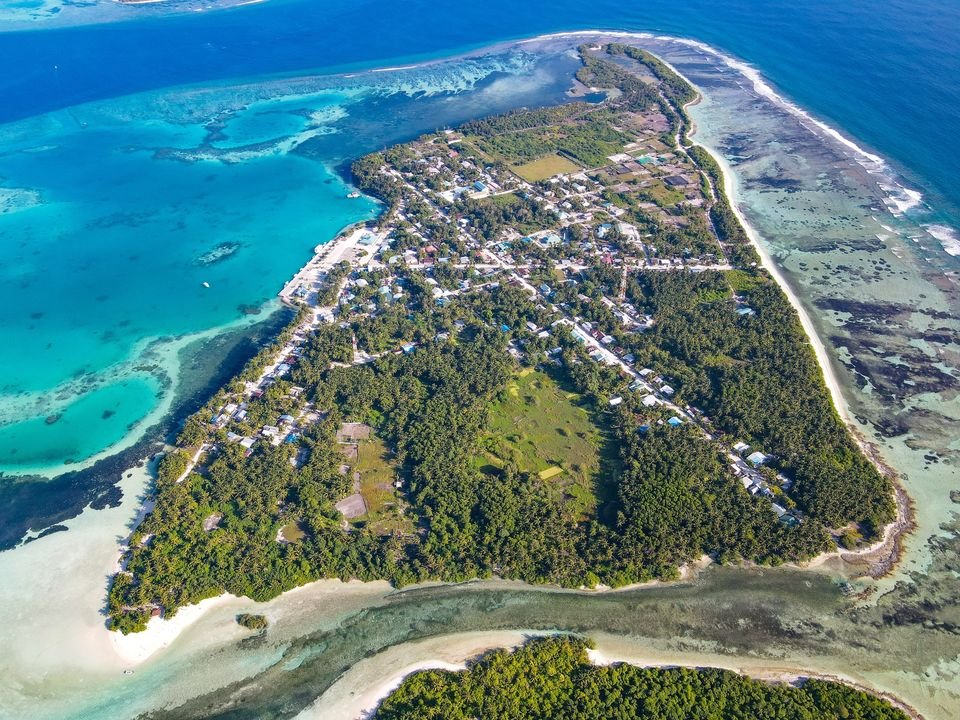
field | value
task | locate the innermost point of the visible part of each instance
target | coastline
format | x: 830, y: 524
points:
x: 891, y: 535
x: 889, y: 548
x: 880, y: 558
x: 361, y: 688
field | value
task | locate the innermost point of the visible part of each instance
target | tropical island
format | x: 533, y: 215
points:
x: 555, y: 357
x: 555, y: 678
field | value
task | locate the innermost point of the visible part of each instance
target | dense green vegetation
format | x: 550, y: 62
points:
x: 459, y: 479
x: 554, y: 679
x: 756, y: 377
x: 252, y: 622
x: 587, y: 141
x: 431, y: 408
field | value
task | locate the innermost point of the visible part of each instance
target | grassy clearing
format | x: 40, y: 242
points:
x: 662, y: 195
x: 744, y: 282
x: 292, y: 532
x: 545, y: 430
x: 545, y: 167
x: 377, y: 476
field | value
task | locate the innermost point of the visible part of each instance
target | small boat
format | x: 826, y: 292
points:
x: 206, y: 284
x: 353, y: 195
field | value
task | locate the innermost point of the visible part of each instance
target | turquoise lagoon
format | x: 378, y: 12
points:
x: 133, y: 226
x: 109, y: 264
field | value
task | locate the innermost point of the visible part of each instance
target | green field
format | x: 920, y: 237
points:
x: 377, y: 475
x: 545, y: 167
x: 545, y: 430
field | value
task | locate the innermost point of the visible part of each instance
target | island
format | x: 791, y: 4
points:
x: 555, y: 357
x: 556, y: 678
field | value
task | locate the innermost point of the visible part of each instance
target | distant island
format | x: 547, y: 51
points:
x: 555, y: 357
x: 554, y: 678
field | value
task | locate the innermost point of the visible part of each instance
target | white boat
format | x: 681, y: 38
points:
x: 353, y: 195
x: 206, y: 284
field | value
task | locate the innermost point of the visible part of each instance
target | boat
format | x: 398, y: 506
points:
x: 206, y: 284
x: 353, y: 195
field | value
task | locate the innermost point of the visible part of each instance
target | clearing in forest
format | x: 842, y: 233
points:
x: 546, y: 167
x: 375, y: 476
x: 547, y: 431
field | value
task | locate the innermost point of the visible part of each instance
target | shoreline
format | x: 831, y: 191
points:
x: 889, y: 547
x: 345, y: 246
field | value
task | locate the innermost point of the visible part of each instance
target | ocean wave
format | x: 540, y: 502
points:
x: 946, y: 236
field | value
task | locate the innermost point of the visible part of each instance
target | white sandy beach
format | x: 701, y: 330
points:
x: 345, y: 247
x: 135, y: 648
x: 361, y: 689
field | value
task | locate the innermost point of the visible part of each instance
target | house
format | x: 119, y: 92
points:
x: 675, y: 421
x: 676, y: 181
x: 479, y: 186
x: 247, y: 442
x: 667, y: 390
x: 757, y: 458
x: 614, y: 401
x: 408, y: 348
x: 650, y: 401
x: 778, y: 509
x: 745, y: 311
x: 740, y: 447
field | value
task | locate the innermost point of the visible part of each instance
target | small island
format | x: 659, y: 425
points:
x: 555, y: 357
x: 252, y: 622
x: 555, y: 678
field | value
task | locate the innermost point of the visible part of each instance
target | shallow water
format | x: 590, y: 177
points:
x: 903, y: 332
x: 205, y: 203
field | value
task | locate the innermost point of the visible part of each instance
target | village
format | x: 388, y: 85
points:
x: 461, y: 220
x: 553, y: 356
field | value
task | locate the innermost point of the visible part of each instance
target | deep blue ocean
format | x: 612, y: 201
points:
x: 885, y: 71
